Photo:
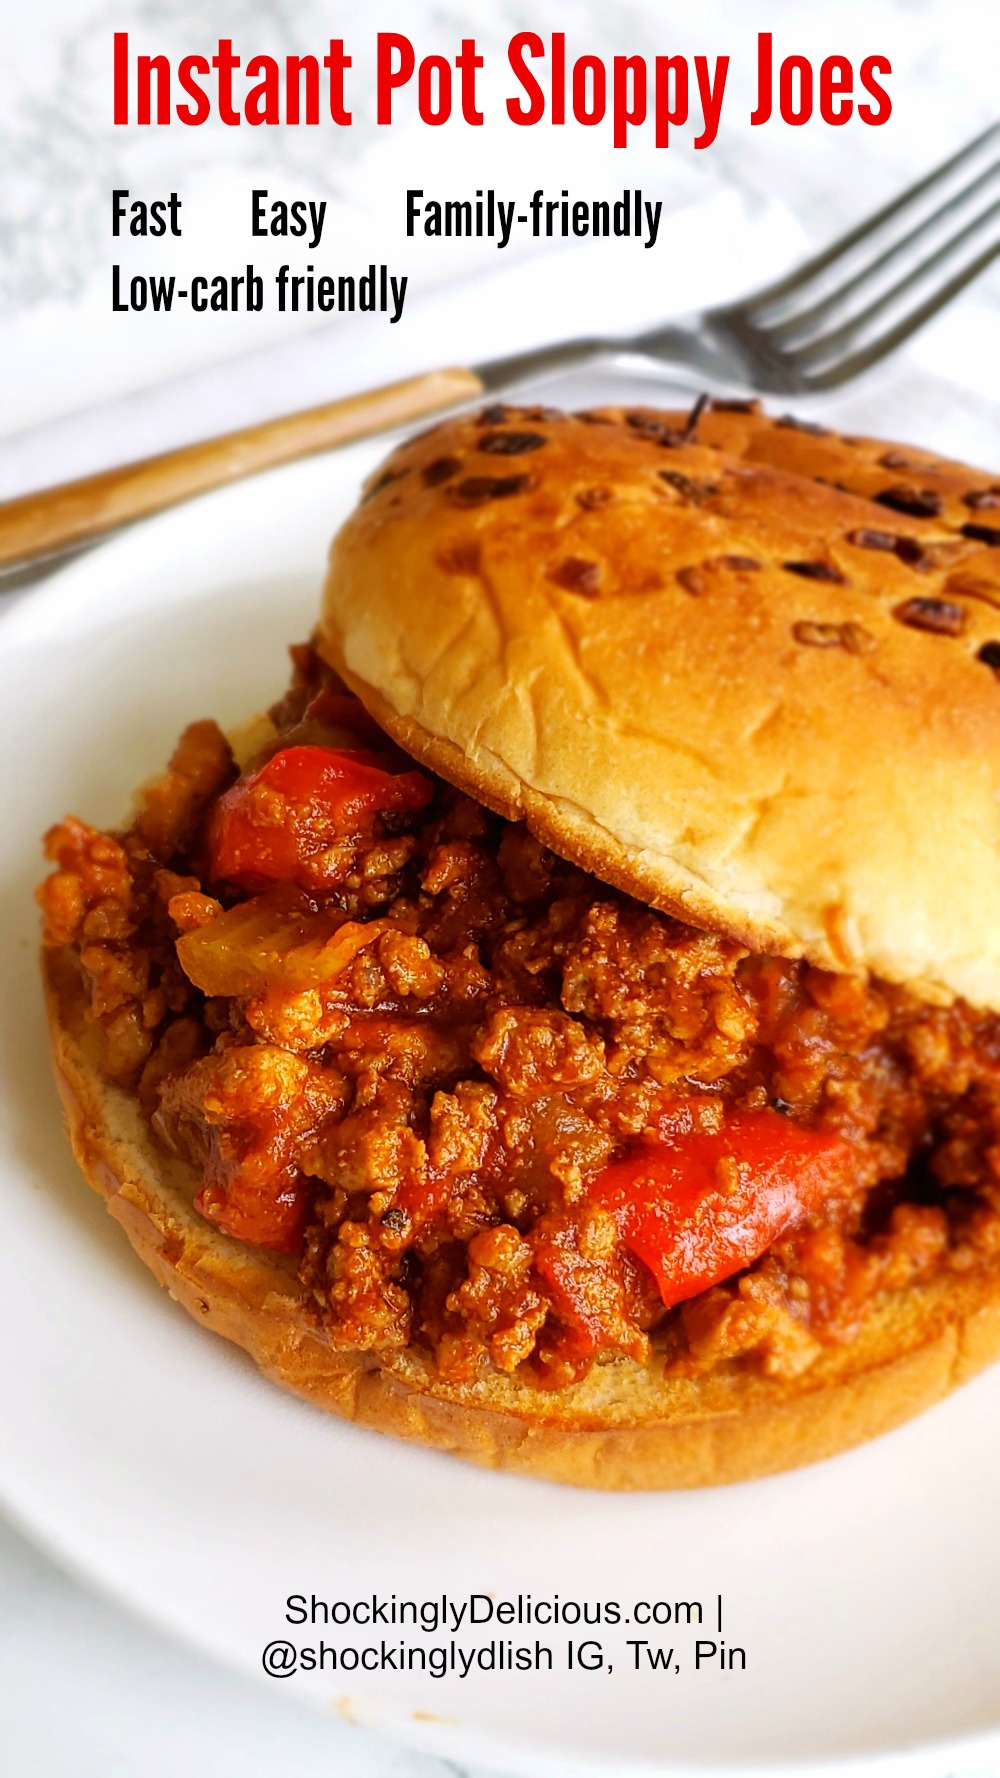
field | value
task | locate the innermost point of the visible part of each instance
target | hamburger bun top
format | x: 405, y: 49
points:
x: 763, y: 703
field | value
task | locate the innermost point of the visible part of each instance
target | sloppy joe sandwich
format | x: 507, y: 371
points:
x: 566, y: 1029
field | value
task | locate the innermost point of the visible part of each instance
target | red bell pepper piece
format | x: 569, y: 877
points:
x: 265, y: 1213
x: 704, y: 1205
x: 273, y: 824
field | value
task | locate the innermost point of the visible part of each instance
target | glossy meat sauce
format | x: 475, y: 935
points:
x: 497, y: 1108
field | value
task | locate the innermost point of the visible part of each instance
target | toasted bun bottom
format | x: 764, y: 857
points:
x: 624, y: 1426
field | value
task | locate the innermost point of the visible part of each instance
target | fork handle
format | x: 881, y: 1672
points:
x: 54, y: 519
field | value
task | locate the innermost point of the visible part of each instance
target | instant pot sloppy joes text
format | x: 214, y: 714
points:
x: 497, y: 1110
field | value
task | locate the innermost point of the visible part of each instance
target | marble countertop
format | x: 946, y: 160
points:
x: 90, y: 1693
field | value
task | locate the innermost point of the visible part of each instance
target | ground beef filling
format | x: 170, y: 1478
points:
x: 419, y: 1050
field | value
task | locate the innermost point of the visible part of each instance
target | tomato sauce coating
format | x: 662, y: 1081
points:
x: 498, y: 1109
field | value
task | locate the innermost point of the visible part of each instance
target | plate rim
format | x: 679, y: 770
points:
x: 29, y: 612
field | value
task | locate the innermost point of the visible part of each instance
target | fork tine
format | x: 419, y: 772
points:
x: 887, y: 342
x: 803, y: 275
x: 803, y: 320
x: 840, y: 337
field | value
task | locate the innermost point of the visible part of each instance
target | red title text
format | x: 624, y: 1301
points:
x: 550, y: 84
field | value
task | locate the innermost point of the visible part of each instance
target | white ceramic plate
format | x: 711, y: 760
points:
x: 153, y: 1459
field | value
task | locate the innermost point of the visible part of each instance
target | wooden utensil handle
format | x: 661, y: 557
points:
x: 40, y: 524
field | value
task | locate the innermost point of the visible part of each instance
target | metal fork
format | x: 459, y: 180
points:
x: 830, y: 320
x: 842, y: 311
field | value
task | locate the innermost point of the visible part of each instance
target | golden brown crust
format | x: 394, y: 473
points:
x: 872, y: 467
x: 802, y: 756
x: 625, y: 1426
